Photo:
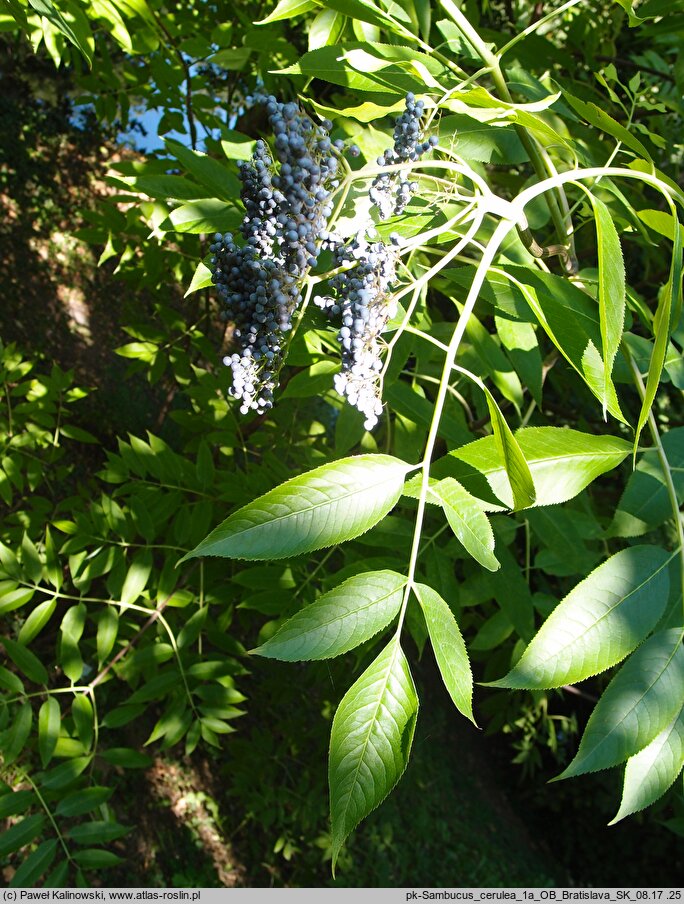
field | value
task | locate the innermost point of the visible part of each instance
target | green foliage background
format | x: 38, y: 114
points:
x: 113, y: 470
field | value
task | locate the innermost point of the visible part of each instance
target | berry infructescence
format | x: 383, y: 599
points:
x: 363, y: 297
x: 286, y: 212
x: 287, y: 209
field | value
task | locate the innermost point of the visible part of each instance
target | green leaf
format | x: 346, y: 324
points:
x: 450, y: 650
x: 98, y: 831
x: 286, y: 9
x: 209, y: 172
x: 191, y: 629
x: 13, y: 597
x: 517, y: 469
x: 31, y: 560
x: 36, y: 621
x: 18, y: 734
x: 76, y: 28
x: 77, y: 434
x: 367, y: 66
x: 66, y: 773
x: 562, y: 463
x: 126, y: 757
x: 601, y: 620
x: 364, y: 11
x: 137, y: 576
x: 205, y: 215
x: 339, y: 620
x: 95, y: 858
x: 601, y: 120
x: 569, y: 318
x: 35, y: 865
x: 611, y: 289
x: 107, y: 630
x: 83, y: 801
x: 202, y: 279
x: 371, y: 739
x: 20, y: 834
x: 520, y: 341
x: 49, y: 722
x: 492, y: 362
x: 326, y: 28
x: 312, y: 381
x: 11, y: 682
x: 653, y: 770
x: 467, y: 520
x: 237, y: 146
x: 480, y: 142
x: 58, y: 877
x: 82, y: 713
x: 326, y: 506
x: 71, y: 629
x: 25, y: 661
x: 639, y: 703
x: 165, y: 187
x: 16, y: 802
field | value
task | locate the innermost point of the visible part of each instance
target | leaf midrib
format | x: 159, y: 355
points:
x: 332, y: 621
x: 536, y: 461
x: 310, y: 508
x: 617, y: 725
x: 444, y: 504
x: 372, y: 722
x: 560, y: 651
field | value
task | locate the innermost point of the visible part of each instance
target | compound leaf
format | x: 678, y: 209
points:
x: 599, y: 622
x: 331, y: 504
x: 637, y: 705
x: 371, y: 741
x: 450, y: 650
x: 340, y: 620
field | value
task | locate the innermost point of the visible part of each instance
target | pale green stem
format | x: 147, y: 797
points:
x: 51, y: 692
x: 492, y: 60
x: 427, y: 337
x: 537, y: 25
x: 418, y: 285
x: 664, y: 464
x: 9, y: 411
x: 594, y: 172
x: 201, y: 602
x: 491, y: 250
x: 150, y: 612
x: 52, y: 819
x: 448, y: 257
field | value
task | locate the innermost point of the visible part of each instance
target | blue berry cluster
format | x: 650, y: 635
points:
x: 391, y: 192
x: 363, y: 297
x: 286, y: 212
x: 364, y: 304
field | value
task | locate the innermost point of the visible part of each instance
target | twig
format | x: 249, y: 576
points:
x: 136, y: 637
